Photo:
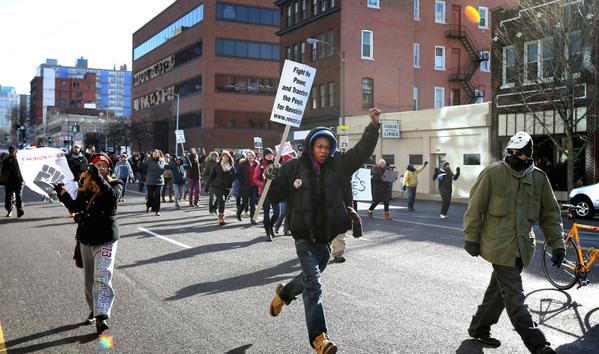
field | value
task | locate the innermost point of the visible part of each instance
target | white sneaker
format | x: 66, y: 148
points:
x: 443, y: 216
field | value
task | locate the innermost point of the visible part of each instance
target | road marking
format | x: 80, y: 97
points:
x: 2, y: 347
x: 164, y: 238
x: 425, y: 224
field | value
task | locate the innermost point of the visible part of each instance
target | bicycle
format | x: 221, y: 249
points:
x: 578, y: 261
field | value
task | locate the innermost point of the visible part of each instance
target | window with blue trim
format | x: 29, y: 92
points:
x: 247, y: 14
x: 245, y: 49
x: 192, y: 18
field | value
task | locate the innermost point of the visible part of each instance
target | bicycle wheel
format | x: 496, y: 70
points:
x: 565, y: 276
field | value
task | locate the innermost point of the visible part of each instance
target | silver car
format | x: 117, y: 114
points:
x: 586, y: 199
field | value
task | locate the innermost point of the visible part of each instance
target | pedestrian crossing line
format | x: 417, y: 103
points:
x: 2, y: 346
x: 163, y: 238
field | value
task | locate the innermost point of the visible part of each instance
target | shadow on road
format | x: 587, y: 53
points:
x: 587, y: 344
x: 256, y: 279
x: 86, y: 338
x: 24, y: 219
x: 241, y: 350
x: 192, y: 252
x: 470, y: 346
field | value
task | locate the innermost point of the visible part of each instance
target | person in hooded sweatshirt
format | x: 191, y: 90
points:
x: 445, y: 177
x: 209, y: 163
x: 98, y: 233
x: 154, y: 180
x: 123, y: 171
x: 410, y: 182
x: 508, y: 198
x: 220, y: 181
x: 319, y: 198
x: 260, y: 180
x: 178, y: 169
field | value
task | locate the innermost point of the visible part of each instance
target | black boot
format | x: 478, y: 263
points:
x: 268, y: 229
x: 239, y: 214
x: 101, y: 324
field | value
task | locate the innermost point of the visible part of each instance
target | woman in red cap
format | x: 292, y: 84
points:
x: 98, y: 234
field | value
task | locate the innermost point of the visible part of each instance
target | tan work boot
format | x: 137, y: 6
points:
x: 322, y: 345
x: 387, y: 216
x: 370, y: 212
x: 277, y: 303
x: 221, y: 219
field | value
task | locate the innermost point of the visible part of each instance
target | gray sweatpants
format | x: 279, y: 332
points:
x: 98, y: 269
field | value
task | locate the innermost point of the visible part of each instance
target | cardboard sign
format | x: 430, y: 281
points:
x: 292, y: 94
x: 360, y: 182
x: 42, y: 168
x: 287, y: 148
x: 391, y: 130
x: 390, y: 176
x: 180, y: 134
x: 257, y: 142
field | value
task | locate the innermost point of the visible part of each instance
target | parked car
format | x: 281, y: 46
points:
x: 587, y: 199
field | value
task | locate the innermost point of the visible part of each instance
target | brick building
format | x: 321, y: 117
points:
x: 221, y: 60
x: 529, y: 95
x: 397, y: 55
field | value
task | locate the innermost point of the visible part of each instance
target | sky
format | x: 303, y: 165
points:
x: 99, y: 30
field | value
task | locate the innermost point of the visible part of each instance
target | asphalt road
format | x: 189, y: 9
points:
x: 186, y: 285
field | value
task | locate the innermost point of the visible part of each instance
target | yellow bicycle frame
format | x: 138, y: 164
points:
x: 594, y: 255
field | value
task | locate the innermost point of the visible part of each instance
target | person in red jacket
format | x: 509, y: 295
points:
x: 260, y: 182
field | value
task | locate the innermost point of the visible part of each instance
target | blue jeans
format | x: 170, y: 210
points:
x: 124, y: 180
x: 411, y: 197
x: 313, y: 258
x: 282, y: 219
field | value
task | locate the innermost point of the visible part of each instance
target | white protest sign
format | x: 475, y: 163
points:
x: 180, y: 134
x: 43, y: 167
x: 391, y: 130
x: 343, y: 142
x: 292, y: 94
x: 360, y: 182
x: 287, y: 148
x: 257, y: 142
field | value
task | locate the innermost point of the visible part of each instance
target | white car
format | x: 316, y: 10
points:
x: 586, y: 199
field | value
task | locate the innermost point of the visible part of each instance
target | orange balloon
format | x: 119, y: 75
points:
x: 472, y: 14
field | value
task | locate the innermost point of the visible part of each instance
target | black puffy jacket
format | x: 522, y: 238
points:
x: 317, y: 206
x: 98, y: 224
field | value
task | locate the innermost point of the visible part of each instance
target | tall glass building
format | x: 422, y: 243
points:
x: 9, y: 102
x: 113, y: 87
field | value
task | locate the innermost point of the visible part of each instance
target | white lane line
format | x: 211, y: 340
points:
x: 163, y: 238
x: 425, y: 224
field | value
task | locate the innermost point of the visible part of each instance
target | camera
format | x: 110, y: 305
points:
x: 79, y: 217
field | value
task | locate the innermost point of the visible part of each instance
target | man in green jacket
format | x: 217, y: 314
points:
x: 508, y: 198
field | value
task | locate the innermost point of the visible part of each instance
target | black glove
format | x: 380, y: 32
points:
x: 272, y: 172
x: 457, y: 169
x: 473, y: 248
x: 425, y: 163
x: 559, y: 254
x: 93, y: 170
x: 58, y: 187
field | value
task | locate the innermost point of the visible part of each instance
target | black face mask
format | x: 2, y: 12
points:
x: 516, y: 163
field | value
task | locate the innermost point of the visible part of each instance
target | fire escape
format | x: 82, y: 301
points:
x: 464, y: 74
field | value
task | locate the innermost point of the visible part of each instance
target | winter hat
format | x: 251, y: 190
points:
x: 101, y: 157
x: 267, y: 151
x: 326, y: 133
x: 521, y: 141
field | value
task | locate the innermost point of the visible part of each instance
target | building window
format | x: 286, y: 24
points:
x: 323, y: 5
x: 575, y: 53
x: 471, y: 159
x: 247, y: 14
x: 331, y: 94
x: 331, y: 40
x: 416, y: 55
x: 304, y: 10
x: 367, y: 93
x: 331, y: 4
x: 289, y: 53
x: 531, y: 53
x: 485, y: 64
x: 303, y: 52
x: 484, y: 17
x: 416, y: 10
x: 415, y: 160
x: 439, y: 97
x: 322, y: 52
x: 322, y: 96
x: 314, y: 98
x: 289, y: 20
x: 296, y: 52
x: 509, y: 66
x: 296, y: 12
x: 314, y: 7
x: 439, y: 58
x: 479, y: 96
x: 439, y: 11
x: 245, y: 49
x: 548, y: 57
x: 367, y: 50
x: 314, y: 51
x: 375, y: 4
x: 416, y: 97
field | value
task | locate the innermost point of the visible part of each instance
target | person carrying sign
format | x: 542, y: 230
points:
x: 317, y: 201
x: 13, y: 182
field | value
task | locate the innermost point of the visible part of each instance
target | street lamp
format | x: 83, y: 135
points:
x: 312, y: 40
x: 177, y: 126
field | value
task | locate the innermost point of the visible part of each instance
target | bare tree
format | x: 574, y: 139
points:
x: 140, y: 134
x: 548, y: 54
